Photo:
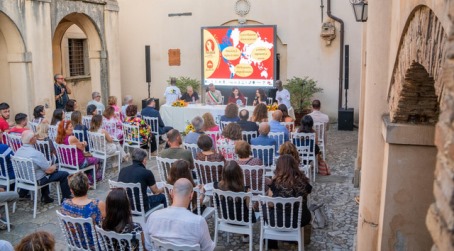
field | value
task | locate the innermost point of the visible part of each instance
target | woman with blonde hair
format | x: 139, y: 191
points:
x: 290, y: 149
x: 208, y: 123
x: 260, y: 113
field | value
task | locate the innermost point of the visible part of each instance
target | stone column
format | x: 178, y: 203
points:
x: 113, y: 48
x: 19, y: 67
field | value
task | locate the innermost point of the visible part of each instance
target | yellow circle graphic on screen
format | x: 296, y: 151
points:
x: 231, y: 53
x: 248, y: 37
x: 243, y: 70
x: 261, y: 53
x: 210, y: 54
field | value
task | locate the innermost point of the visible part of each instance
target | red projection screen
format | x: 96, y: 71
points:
x: 239, y: 55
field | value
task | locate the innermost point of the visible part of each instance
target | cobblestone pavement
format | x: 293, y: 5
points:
x: 335, y: 191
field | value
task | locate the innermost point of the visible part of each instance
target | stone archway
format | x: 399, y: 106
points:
x: 96, y: 75
x: 13, y: 65
x: 410, y: 155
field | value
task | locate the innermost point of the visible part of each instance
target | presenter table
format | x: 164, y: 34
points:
x: 179, y: 117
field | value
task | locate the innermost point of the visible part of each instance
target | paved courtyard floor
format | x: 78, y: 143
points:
x: 335, y: 191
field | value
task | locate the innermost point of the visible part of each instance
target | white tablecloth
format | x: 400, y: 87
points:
x: 179, y: 117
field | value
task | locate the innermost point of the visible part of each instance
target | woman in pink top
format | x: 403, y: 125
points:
x: 65, y: 136
x: 112, y: 101
x: 112, y: 123
x: 208, y: 123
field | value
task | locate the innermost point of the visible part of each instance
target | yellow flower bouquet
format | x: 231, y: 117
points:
x: 179, y: 103
x: 189, y: 128
x: 272, y: 107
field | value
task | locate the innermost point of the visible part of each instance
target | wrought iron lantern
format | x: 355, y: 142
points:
x: 360, y: 8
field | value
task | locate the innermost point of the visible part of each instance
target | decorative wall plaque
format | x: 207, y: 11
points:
x: 174, y: 57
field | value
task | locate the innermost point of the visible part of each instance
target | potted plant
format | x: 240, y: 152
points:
x: 301, y: 92
x: 184, y: 82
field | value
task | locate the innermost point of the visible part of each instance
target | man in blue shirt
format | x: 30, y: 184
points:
x: 150, y: 111
x: 264, y: 140
x: 44, y: 172
x: 275, y: 125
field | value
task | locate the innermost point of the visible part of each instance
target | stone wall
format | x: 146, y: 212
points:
x: 440, y: 218
x: 416, y: 84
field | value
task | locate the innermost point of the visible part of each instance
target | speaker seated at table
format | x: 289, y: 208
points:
x: 213, y: 96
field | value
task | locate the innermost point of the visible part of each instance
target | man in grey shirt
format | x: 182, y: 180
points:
x: 45, y: 173
x: 96, y: 100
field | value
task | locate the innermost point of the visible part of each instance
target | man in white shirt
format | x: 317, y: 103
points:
x: 283, y: 97
x: 172, y: 92
x: 127, y: 100
x: 96, y: 100
x: 317, y: 115
x: 176, y: 224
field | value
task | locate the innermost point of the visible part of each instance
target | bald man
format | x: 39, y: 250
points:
x: 275, y: 125
x: 176, y: 224
x: 190, y: 95
x: 264, y: 140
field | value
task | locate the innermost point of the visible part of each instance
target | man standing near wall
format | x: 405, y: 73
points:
x: 61, y: 91
x: 172, y: 92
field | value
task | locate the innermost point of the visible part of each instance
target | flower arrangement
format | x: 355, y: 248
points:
x: 272, y: 107
x: 189, y: 128
x: 179, y: 103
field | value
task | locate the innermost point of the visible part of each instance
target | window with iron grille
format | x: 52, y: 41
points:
x: 76, y: 57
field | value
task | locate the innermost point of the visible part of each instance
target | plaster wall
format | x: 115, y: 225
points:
x: 385, y: 28
x: 146, y: 22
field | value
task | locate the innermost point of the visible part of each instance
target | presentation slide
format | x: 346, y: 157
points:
x: 239, y: 55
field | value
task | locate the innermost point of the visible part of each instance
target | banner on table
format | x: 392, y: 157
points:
x: 239, y: 55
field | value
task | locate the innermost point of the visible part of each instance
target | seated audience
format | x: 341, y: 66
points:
x: 237, y: 97
x: 288, y: 181
x: 82, y: 207
x: 6, y: 197
x: 208, y: 123
x: 150, y: 111
x: 70, y: 107
x: 66, y: 136
x: 7, y: 152
x: 176, y: 224
x: 111, y: 118
x: 247, y: 126
x: 138, y: 173
x: 244, y: 152
x: 192, y: 137
x: 4, y: 116
x: 264, y: 140
x: 231, y: 113
x: 229, y: 136
x: 91, y: 110
x: 42, y: 134
x: 275, y: 125
x: 190, y: 95
x: 213, y: 96
x: 119, y: 218
x: 57, y: 116
x: 175, y: 151
x: 290, y: 149
x: 307, y: 125
x: 38, y: 113
x: 260, y: 114
x: 96, y: 100
x: 76, y: 120
x: 232, y: 180
x: 37, y: 241
x: 285, y: 116
x: 317, y: 115
x: 127, y: 101
x: 44, y: 173
x: 205, y: 143
x: 21, y: 124
x: 111, y: 145
x: 260, y: 97
x: 144, y: 129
